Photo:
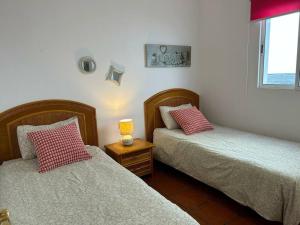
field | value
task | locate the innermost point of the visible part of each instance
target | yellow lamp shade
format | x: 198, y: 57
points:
x: 126, y: 127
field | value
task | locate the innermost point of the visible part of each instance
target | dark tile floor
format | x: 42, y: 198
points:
x: 207, y: 205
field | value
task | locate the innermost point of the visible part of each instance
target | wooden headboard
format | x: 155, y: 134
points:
x: 41, y: 113
x: 171, y: 97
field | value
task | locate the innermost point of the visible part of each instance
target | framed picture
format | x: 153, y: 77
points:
x: 167, y: 55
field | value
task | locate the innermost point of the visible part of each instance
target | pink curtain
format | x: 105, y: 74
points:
x: 262, y: 9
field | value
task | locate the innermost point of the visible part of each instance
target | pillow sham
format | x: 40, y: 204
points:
x: 58, y: 147
x: 191, y: 120
x: 167, y: 118
x: 25, y: 145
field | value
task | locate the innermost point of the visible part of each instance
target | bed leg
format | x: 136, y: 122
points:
x: 4, y: 217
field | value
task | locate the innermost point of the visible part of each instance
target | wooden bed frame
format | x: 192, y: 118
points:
x: 4, y: 217
x: 40, y: 113
x: 171, y: 97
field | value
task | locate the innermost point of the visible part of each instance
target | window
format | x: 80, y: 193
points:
x: 279, y: 52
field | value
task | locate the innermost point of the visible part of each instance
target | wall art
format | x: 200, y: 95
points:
x: 167, y: 55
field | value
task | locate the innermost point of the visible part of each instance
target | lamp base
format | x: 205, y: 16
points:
x: 127, y: 140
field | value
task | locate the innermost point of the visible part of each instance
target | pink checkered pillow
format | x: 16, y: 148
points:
x: 191, y: 120
x: 58, y: 147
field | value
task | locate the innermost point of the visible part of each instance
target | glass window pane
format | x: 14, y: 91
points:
x: 281, y: 46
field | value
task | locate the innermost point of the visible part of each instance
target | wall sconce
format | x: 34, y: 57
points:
x: 87, y: 64
x: 115, y: 74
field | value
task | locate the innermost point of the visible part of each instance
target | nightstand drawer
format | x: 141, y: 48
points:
x: 135, y: 158
x: 139, y: 168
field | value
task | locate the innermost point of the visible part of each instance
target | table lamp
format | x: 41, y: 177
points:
x: 126, y: 129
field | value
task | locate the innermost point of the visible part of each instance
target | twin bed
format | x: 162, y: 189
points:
x: 95, y: 191
x: 257, y: 171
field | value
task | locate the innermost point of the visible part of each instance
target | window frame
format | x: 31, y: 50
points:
x: 262, y: 62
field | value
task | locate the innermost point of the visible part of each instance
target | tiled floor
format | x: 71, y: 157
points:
x: 205, y: 204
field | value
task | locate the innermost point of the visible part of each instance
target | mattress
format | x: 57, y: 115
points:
x: 257, y: 171
x: 97, y: 191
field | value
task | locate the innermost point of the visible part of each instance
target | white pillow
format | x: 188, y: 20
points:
x: 167, y: 118
x: 25, y: 145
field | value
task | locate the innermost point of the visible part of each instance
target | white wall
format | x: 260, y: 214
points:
x: 228, y: 83
x: 42, y: 40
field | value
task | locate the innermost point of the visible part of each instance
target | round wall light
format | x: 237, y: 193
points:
x: 87, y: 65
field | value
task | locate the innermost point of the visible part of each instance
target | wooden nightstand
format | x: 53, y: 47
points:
x: 137, y: 158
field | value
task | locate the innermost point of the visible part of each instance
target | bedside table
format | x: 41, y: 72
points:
x: 137, y: 158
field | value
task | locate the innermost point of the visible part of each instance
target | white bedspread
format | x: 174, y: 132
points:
x: 97, y: 191
x: 257, y: 171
